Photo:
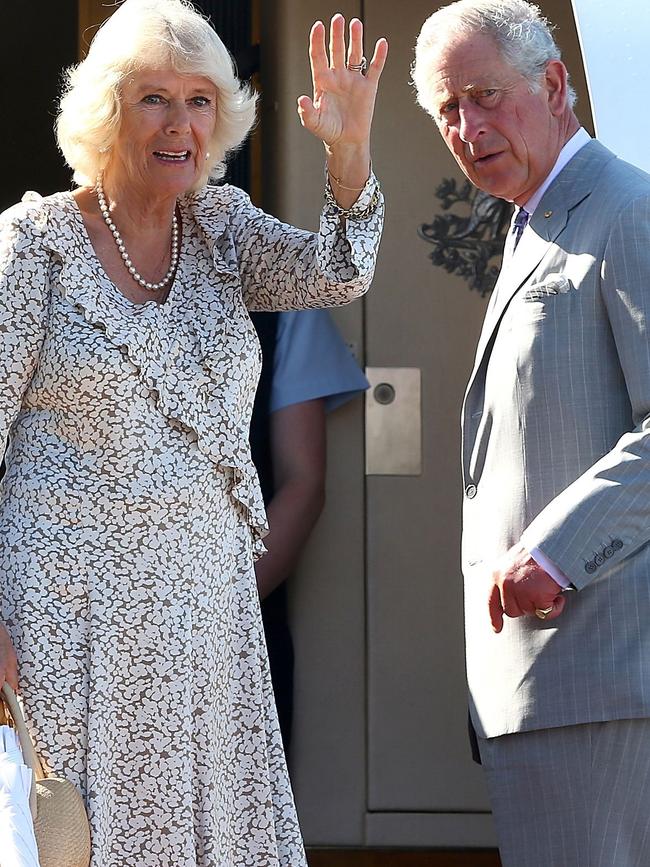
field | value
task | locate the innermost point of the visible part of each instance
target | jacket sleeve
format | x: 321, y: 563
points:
x: 284, y: 268
x: 24, y: 305
x: 604, y: 516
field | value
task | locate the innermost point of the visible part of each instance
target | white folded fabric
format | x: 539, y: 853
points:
x: 17, y: 841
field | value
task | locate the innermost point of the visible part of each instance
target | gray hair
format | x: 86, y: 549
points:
x: 522, y: 34
x: 148, y: 34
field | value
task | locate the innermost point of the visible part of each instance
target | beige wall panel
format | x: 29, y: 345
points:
x: 417, y: 316
x: 327, y: 593
x: 431, y: 830
x: 328, y: 766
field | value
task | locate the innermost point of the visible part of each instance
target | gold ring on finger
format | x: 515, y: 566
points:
x: 543, y: 613
x: 359, y: 67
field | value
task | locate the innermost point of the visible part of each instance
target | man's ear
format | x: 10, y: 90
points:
x: 556, y: 85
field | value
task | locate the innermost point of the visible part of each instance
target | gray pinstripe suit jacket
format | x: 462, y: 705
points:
x: 556, y: 451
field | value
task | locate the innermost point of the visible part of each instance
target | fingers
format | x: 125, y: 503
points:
x: 378, y: 60
x: 355, y: 44
x: 10, y: 672
x: 8, y: 661
x: 337, y: 41
x: 496, y: 608
x: 11, y: 665
x: 513, y: 605
x: 509, y: 606
x: 11, y: 676
x: 307, y: 112
x: 317, y: 53
x: 320, y: 62
x: 558, y: 607
x: 514, y: 596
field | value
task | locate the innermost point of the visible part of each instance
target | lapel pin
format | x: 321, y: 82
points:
x: 548, y: 214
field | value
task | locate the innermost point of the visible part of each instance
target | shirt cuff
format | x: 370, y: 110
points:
x: 550, y: 567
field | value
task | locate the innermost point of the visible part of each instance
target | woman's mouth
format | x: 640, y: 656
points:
x: 172, y: 156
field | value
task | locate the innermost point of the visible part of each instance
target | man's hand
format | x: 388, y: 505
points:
x: 520, y: 586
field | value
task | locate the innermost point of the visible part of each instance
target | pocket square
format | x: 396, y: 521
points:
x: 552, y: 284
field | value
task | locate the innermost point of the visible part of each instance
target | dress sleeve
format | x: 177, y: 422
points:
x: 24, y: 305
x: 284, y: 268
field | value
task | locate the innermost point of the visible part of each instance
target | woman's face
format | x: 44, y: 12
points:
x: 167, y: 122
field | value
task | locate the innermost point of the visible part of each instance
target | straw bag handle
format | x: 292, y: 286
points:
x: 26, y: 744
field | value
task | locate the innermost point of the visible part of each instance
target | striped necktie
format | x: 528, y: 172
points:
x: 520, y: 223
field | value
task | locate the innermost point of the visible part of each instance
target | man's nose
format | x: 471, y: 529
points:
x: 471, y: 124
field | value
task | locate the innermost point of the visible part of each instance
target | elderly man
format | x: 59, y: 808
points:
x: 556, y: 449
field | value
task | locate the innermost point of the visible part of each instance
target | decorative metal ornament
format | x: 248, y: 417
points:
x: 469, y: 246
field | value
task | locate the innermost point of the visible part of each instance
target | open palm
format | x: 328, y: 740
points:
x: 340, y: 112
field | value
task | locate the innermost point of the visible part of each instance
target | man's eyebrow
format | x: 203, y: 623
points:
x: 468, y: 88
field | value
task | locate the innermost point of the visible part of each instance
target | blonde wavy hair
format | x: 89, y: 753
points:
x: 158, y: 34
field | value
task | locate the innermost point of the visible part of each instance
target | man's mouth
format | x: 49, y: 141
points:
x: 172, y: 156
x: 486, y: 158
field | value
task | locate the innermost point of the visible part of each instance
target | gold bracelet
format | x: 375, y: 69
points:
x: 353, y: 213
x: 343, y: 187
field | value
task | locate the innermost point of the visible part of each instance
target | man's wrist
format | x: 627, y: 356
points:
x: 550, y: 568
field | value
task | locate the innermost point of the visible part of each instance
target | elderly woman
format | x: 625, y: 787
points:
x: 130, y: 511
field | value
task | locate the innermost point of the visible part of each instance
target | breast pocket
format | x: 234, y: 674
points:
x: 551, y: 286
x: 545, y: 303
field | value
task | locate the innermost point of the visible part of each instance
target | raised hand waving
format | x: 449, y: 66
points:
x: 341, y: 109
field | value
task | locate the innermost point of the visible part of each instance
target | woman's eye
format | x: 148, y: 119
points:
x: 201, y: 101
x: 152, y: 99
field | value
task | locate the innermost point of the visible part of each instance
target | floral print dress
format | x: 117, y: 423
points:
x: 130, y: 517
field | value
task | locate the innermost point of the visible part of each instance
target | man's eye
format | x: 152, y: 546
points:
x: 448, y: 109
x: 487, y: 93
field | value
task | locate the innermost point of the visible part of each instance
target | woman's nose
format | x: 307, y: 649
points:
x: 178, y: 118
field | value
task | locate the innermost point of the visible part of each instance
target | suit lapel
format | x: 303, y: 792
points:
x: 574, y: 183
x: 529, y: 253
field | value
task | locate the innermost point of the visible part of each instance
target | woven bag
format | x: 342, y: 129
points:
x: 60, y: 820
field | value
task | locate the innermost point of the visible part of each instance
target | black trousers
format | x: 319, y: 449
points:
x: 281, y: 658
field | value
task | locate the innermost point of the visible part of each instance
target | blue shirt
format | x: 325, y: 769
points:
x: 312, y: 361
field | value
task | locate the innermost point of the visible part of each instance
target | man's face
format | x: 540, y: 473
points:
x: 504, y: 137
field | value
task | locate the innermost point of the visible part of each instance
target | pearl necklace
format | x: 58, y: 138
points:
x: 175, y: 252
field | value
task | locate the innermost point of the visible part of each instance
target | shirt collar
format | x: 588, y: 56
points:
x: 570, y: 149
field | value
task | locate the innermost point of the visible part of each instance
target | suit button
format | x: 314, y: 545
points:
x: 470, y: 492
x: 617, y: 544
x: 599, y: 559
x: 608, y: 551
x: 590, y: 567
